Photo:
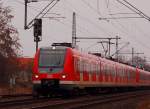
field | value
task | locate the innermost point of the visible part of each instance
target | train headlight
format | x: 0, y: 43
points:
x: 63, y: 76
x: 36, y: 76
x: 53, y: 48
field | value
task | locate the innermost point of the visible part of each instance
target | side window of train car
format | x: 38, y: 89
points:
x: 121, y: 70
x: 118, y: 69
x: 105, y: 69
x: 93, y: 67
x: 121, y: 73
x: 108, y: 69
x: 96, y: 68
x: 99, y: 67
x: 90, y: 66
x: 114, y: 70
x: 81, y: 66
x: 86, y: 66
x: 102, y: 68
x: 127, y: 71
x: 75, y: 64
x: 124, y: 72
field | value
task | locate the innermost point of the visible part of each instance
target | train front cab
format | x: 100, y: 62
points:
x: 49, y: 70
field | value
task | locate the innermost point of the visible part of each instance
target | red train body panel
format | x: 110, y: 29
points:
x: 82, y: 70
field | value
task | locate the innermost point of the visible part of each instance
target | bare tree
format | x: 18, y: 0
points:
x: 9, y: 45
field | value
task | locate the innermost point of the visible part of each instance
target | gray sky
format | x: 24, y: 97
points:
x: 135, y: 31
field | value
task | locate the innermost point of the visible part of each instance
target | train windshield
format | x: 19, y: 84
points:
x: 51, y: 60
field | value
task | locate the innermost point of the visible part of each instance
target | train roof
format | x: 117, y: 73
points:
x: 54, y: 47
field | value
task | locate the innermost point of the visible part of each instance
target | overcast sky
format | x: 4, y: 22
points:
x: 135, y: 31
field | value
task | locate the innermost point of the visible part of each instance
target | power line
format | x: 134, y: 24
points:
x: 29, y: 25
x: 89, y: 21
x: 91, y: 7
x: 32, y: 7
x: 134, y: 9
x: 139, y: 42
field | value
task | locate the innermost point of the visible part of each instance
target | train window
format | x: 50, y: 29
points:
x: 115, y: 72
x: 102, y: 68
x: 51, y: 61
x: 52, y: 58
x: 75, y: 64
x: 85, y: 66
x: 78, y: 65
x: 105, y: 69
x: 99, y: 68
x: 81, y: 65
x: 131, y: 74
x: 124, y: 72
x: 110, y: 70
x: 118, y: 69
x: 96, y: 68
x: 128, y: 73
x: 90, y: 68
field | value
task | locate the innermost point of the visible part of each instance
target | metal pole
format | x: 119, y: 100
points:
x: 74, y: 30
x: 109, y: 46
x: 132, y: 55
x: 36, y: 46
x: 117, y: 48
x: 26, y: 9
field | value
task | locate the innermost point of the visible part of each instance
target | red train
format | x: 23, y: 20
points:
x: 60, y: 69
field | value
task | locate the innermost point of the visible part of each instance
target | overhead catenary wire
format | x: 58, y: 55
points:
x: 87, y: 19
x: 38, y: 15
x: 22, y: 3
x: 134, y: 9
x: 124, y: 31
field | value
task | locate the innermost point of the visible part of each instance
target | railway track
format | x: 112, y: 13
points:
x: 75, y: 103
x: 90, y: 101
